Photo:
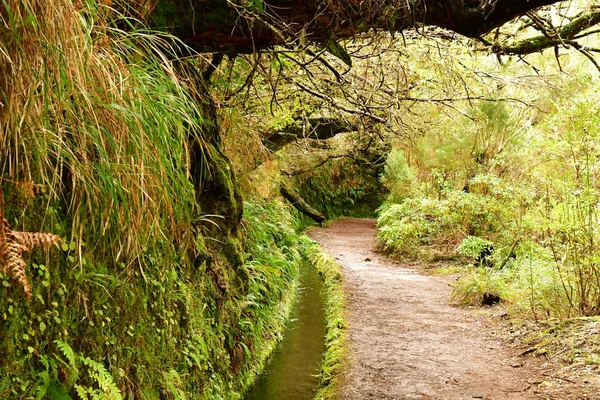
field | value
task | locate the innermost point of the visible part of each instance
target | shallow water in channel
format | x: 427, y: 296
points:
x: 291, y: 372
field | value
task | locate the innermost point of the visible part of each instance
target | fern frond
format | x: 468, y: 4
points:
x: 12, y: 246
x: 67, y: 351
x: 16, y: 265
x: 32, y: 239
x: 82, y: 392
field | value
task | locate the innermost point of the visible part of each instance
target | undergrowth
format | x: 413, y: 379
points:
x: 178, y: 330
x: 343, y: 189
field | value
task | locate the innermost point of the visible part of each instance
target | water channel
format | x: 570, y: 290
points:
x: 291, y: 374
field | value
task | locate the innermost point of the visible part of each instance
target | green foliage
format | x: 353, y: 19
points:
x: 478, y: 287
x: 472, y: 246
x: 406, y: 226
x: 98, y: 383
x: 571, y: 205
x: 97, y: 375
x: 418, y: 225
x: 138, y: 303
x: 398, y: 177
x: 343, y: 189
x: 521, y: 180
x: 172, y: 329
x: 535, y: 287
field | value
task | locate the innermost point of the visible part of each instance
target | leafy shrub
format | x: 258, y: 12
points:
x: 472, y: 246
x: 480, y: 287
x: 477, y: 248
x: 413, y: 223
x: 439, y: 224
x: 536, y: 289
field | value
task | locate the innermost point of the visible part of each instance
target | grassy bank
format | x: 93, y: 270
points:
x: 336, y: 337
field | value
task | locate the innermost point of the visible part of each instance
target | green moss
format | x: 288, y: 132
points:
x: 161, y: 326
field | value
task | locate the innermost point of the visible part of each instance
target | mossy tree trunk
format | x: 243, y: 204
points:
x: 217, y: 192
x: 301, y: 205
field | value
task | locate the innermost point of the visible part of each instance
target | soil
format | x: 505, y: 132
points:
x: 408, y: 342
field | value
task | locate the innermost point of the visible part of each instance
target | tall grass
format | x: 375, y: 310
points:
x: 99, y: 117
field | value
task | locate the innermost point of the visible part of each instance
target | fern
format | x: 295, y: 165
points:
x: 68, y: 352
x: 82, y: 392
x: 107, y: 389
x: 48, y: 385
x: 42, y: 390
x: 56, y: 391
x: 103, y: 378
x: 12, y: 246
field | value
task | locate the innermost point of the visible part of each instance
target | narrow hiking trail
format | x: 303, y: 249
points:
x: 408, y: 342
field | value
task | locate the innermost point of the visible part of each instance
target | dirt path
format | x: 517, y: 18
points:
x: 407, y: 341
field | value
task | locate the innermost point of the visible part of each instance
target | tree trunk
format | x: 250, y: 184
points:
x: 230, y: 26
x: 298, y: 202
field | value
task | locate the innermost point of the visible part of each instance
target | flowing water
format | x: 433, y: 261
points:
x: 291, y: 372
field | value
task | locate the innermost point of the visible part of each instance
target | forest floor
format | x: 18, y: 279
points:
x: 408, y: 342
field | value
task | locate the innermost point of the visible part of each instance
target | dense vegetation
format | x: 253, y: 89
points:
x: 138, y: 299
x: 510, y: 188
x: 146, y: 251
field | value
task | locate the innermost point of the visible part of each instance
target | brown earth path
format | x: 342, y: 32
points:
x: 407, y: 341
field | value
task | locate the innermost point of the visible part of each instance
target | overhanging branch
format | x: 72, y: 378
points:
x: 564, y: 36
x: 313, y: 128
x: 239, y: 26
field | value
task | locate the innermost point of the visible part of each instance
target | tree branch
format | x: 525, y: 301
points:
x: 237, y: 26
x: 313, y: 128
x: 300, y: 204
x: 563, y: 36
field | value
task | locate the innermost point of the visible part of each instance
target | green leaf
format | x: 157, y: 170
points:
x: 339, y: 51
x: 56, y: 391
